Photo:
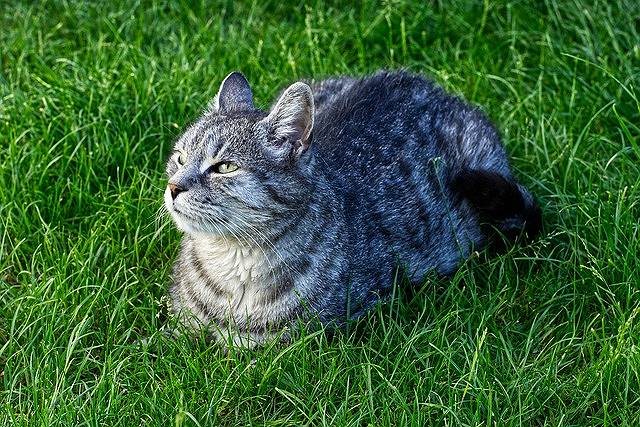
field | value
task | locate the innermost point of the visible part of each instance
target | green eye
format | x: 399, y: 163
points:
x: 224, y: 167
x: 181, y: 157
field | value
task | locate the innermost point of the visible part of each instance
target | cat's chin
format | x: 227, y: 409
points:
x: 184, y: 224
x: 188, y: 226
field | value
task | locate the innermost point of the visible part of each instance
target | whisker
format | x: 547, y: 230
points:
x: 271, y: 245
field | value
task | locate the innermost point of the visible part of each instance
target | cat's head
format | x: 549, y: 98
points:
x: 238, y: 170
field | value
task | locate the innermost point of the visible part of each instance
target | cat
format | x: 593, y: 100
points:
x: 304, y: 212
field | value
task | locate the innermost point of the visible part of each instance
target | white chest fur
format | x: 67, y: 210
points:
x: 244, y: 273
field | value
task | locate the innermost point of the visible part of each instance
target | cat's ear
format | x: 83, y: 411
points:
x: 234, y: 95
x: 291, y: 120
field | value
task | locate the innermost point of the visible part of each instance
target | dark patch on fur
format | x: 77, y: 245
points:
x: 499, y: 200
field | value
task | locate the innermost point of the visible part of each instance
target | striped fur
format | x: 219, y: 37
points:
x: 331, y: 193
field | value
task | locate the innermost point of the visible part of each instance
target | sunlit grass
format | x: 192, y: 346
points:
x: 92, y: 97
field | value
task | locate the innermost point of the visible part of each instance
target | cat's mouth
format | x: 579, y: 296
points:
x: 180, y: 218
x: 170, y: 202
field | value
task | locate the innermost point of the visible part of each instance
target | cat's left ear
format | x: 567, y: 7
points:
x: 291, y: 120
x: 234, y: 95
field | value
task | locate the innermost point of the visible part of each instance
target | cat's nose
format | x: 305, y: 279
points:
x: 175, y: 190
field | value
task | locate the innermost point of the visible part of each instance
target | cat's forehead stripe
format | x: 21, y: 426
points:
x: 213, y: 142
x: 221, y: 148
x: 203, y: 139
x: 222, y: 137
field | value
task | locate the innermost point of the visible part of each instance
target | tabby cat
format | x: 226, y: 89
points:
x: 304, y: 212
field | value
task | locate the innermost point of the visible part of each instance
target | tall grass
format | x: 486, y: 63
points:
x: 92, y: 96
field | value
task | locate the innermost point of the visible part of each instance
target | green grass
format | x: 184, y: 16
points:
x: 92, y: 97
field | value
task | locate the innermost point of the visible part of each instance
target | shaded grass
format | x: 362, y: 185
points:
x: 92, y: 97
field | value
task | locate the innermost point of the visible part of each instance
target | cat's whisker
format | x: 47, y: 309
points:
x: 266, y: 239
x: 218, y: 229
x: 257, y: 245
x: 240, y: 239
x: 268, y: 258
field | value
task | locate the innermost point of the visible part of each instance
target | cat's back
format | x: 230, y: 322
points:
x: 392, y: 142
x: 363, y: 125
x: 358, y: 110
x: 371, y: 138
x: 369, y: 122
x: 379, y: 135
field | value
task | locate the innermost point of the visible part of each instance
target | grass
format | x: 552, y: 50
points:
x: 92, y: 97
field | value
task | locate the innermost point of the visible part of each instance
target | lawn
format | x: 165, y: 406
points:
x: 92, y: 97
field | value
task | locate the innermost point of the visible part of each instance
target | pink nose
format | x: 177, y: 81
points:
x: 175, y: 190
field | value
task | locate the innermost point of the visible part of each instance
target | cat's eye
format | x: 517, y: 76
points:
x: 181, y: 157
x: 224, y: 167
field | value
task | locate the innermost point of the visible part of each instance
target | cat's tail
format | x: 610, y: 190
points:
x: 500, y: 201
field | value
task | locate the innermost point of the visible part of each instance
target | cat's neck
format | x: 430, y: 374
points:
x: 231, y: 260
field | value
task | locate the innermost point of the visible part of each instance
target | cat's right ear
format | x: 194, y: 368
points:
x: 234, y: 95
x: 291, y: 119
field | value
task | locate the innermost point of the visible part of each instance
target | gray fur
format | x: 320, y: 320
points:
x: 333, y: 191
